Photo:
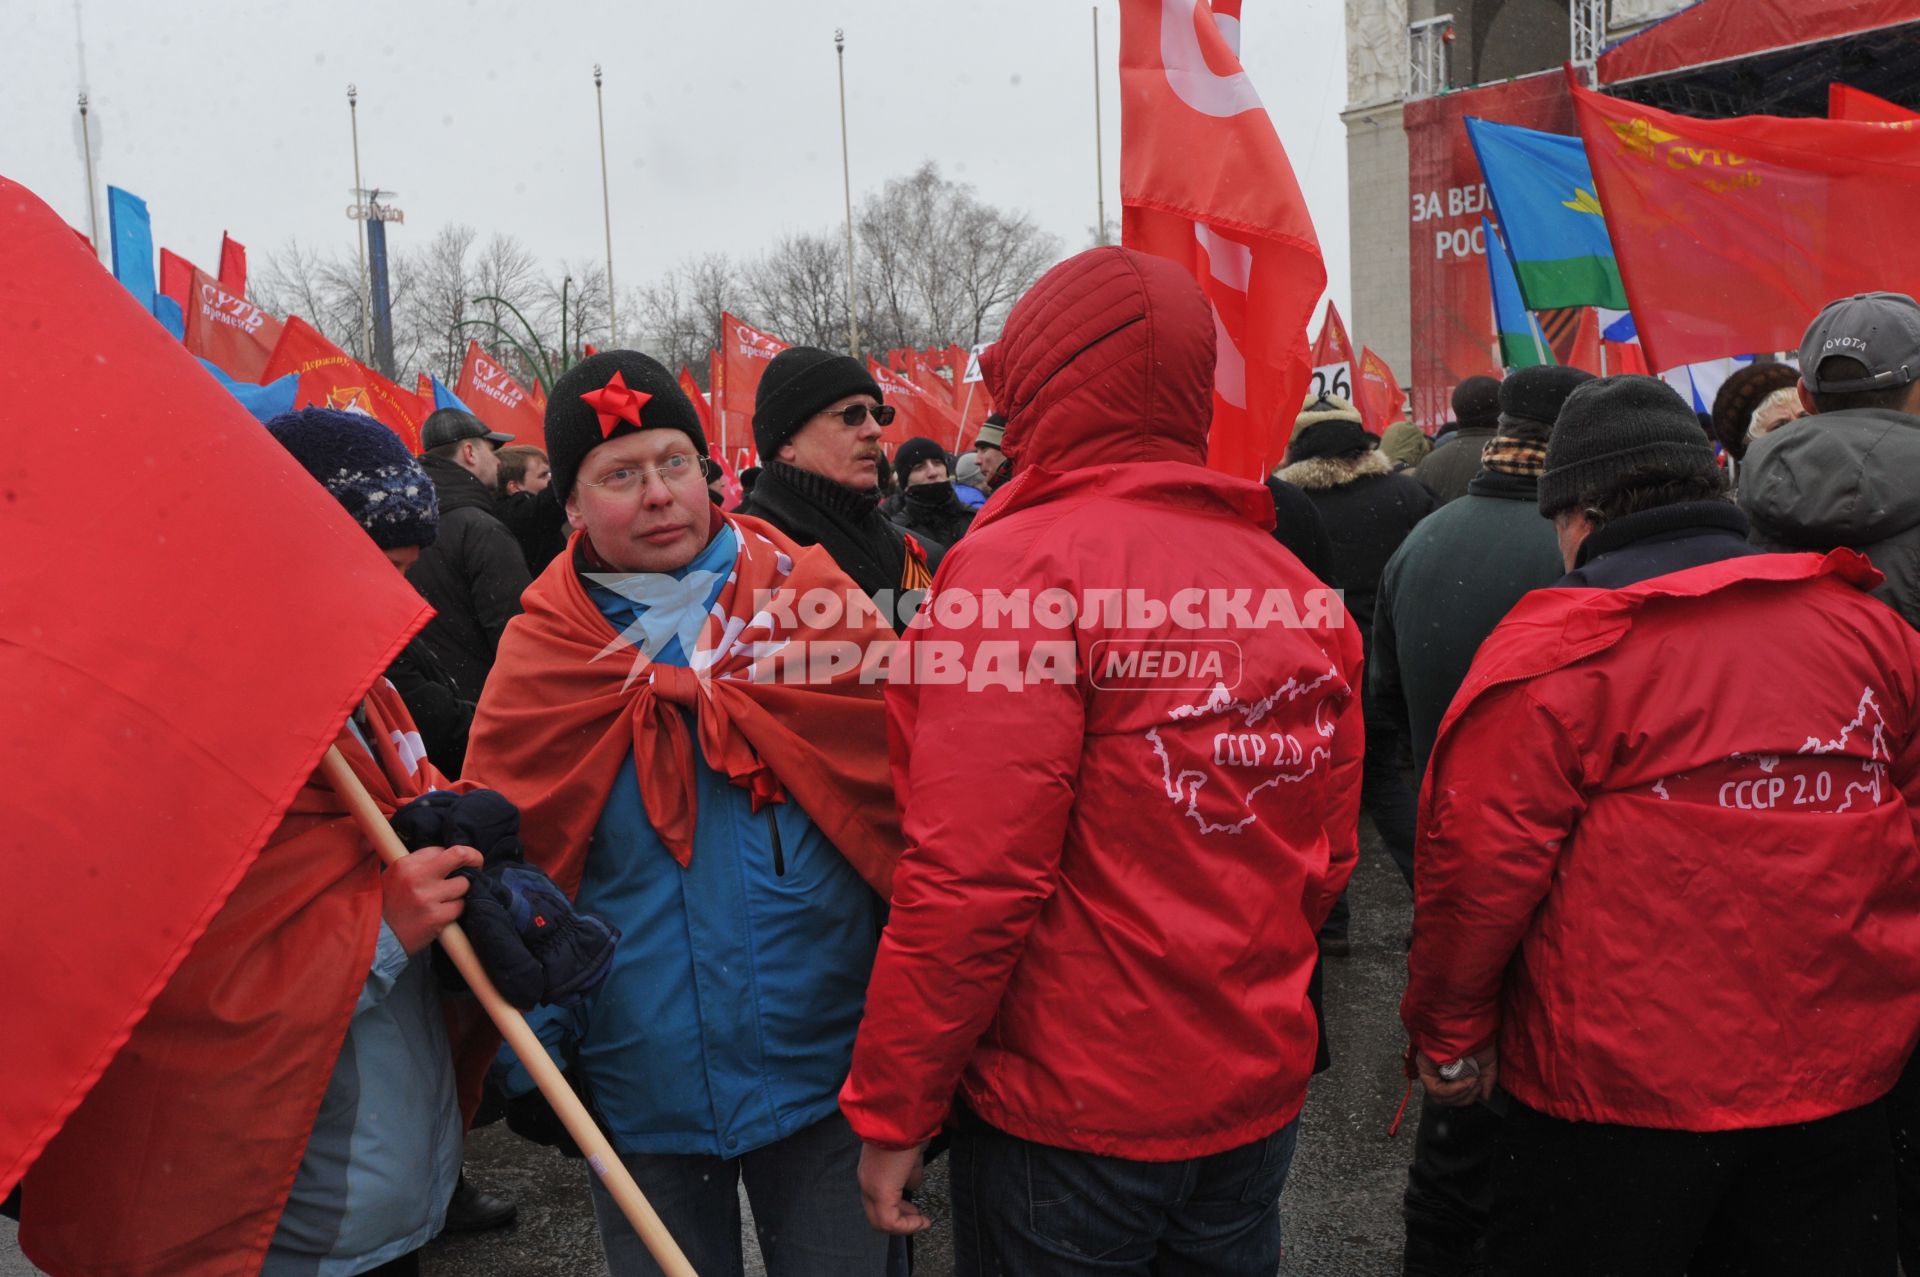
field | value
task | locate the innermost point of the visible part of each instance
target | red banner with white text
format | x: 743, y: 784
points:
x: 227, y: 330
x: 744, y: 354
x: 498, y: 399
x: 331, y: 378
x: 1450, y: 303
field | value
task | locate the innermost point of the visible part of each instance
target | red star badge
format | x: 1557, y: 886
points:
x: 614, y: 403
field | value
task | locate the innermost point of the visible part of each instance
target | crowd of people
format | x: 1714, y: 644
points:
x: 1052, y: 897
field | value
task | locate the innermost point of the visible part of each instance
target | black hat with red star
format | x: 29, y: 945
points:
x: 610, y: 394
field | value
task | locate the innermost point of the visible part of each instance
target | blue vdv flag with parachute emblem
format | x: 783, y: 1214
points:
x: 1542, y: 190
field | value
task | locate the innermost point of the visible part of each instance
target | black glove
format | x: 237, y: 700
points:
x: 535, y: 946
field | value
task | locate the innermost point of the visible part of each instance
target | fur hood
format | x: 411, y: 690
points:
x: 1321, y: 473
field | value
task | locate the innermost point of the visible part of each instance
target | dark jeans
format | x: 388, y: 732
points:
x: 1903, y: 1114
x: 1021, y: 1209
x: 805, y: 1192
x: 1388, y: 799
x: 1585, y: 1199
x: 1448, y: 1190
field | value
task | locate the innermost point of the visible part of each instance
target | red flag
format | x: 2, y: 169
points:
x: 331, y: 378
x: 1377, y: 394
x: 917, y: 413
x: 500, y: 401
x: 1589, y: 350
x: 227, y: 330
x: 692, y: 389
x: 1732, y: 234
x: 539, y: 394
x: 176, y: 278
x: 1333, y: 358
x: 1844, y: 102
x: 146, y: 767
x: 743, y: 356
x: 233, y: 264
x: 1204, y: 181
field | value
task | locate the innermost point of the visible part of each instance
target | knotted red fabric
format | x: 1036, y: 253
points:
x: 568, y: 701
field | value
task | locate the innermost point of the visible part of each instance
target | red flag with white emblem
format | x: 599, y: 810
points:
x: 499, y: 400
x: 1205, y: 182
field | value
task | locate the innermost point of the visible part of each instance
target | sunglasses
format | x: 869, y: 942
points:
x: 855, y: 414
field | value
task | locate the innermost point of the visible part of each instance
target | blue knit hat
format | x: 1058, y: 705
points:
x: 367, y: 469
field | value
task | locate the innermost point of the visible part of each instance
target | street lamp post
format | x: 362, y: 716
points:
x: 606, y: 212
x: 360, y: 230
x: 846, y: 183
x: 1099, y: 161
x: 86, y: 147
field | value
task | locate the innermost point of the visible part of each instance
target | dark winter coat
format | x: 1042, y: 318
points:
x: 1445, y: 589
x: 441, y: 713
x: 1368, y: 510
x: 848, y: 523
x: 1842, y: 479
x: 1298, y: 526
x: 473, y: 574
x: 934, y: 512
x: 1452, y: 465
x: 539, y: 523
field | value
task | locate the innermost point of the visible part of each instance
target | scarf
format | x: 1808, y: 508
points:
x: 1523, y: 458
x: 186, y: 1148
x: 847, y: 522
x: 570, y: 698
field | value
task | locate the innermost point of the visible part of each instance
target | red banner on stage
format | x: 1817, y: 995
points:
x: 1451, y: 307
x: 1844, y: 102
x: 331, y: 378
x: 227, y: 330
x: 499, y: 400
x: 1733, y: 234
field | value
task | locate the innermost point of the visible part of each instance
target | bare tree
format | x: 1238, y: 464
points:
x: 679, y: 314
x: 798, y: 289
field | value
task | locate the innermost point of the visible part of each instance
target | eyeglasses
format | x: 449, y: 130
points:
x: 856, y: 413
x: 673, y: 472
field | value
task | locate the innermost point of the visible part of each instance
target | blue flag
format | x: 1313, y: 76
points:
x: 168, y: 312
x: 132, y: 234
x: 444, y: 398
x: 1543, y: 193
x: 264, y: 402
x: 1521, y: 345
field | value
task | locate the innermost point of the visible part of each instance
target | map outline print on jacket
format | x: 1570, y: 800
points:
x: 1250, y: 712
x: 1810, y: 800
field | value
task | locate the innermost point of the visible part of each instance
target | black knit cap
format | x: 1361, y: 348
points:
x: 798, y: 382
x: 1531, y: 398
x: 914, y: 453
x: 575, y: 427
x: 1613, y: 428
x: 1476, y: 403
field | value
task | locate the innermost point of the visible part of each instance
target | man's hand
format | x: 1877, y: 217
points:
x: 885, y: 1175
x: 417, y: 896
x: 1466, y: 1089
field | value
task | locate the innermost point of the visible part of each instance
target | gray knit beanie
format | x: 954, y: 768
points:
x: 1614, y: 428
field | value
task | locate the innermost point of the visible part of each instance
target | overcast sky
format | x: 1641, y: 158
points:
x: 722, y: 123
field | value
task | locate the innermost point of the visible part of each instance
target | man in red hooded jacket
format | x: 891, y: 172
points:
x: 1672, y: 902
x: 1105, y: 953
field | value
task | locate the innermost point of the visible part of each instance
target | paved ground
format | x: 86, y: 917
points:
x: 1341, y: 1203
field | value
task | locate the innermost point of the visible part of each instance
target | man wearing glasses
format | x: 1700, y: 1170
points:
x: 817, y: 422
x: 738, y: 827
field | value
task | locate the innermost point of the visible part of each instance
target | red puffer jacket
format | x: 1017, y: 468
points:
x: 1682, y: 890
x: 1103, y: 925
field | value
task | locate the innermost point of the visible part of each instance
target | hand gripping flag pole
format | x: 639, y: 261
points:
x: 520, y: 1036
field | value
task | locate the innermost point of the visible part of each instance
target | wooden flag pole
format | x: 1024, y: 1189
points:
x: 520, y: 1036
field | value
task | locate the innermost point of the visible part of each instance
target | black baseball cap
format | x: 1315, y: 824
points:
x: 450, y: 425
x: 1880, y: 330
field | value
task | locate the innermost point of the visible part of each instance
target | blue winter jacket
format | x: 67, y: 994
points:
x: 728, y: 1018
